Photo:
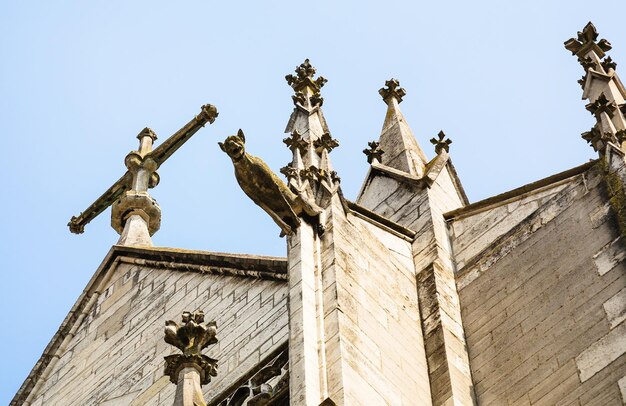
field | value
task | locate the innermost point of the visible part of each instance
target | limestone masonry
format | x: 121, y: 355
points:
x: 409, y: 295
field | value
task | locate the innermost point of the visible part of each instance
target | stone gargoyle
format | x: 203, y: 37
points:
x: 265, y: 188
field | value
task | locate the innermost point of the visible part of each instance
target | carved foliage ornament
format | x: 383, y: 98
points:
x: 608, y: 63
x: 392, y: 89
x: 601, y: 105
x: 304, y: 77
x: 621, y: 136
x: 295, y: 141
x: 325, y: 142
x: 289, y: 171
x: 191, y: 337
x: 597, y: 139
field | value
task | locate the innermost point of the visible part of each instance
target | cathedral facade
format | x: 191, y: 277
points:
x: 409, y: 295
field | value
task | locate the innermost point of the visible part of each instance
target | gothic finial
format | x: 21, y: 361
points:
x: 601, y: 105
x: 440, y: 143
x: 304, y: 77
x: 325, y: 142
x: 191, y: 337
x: 393, y: 89
x: 147, y: 132
x: 586, y: 41
x: 374, y: 152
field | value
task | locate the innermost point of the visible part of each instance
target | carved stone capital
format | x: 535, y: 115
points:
x: 374, y: 152
x: 441, y: 143
x: 140, y: 203
x: 392, y: 89
x: 206, y: 367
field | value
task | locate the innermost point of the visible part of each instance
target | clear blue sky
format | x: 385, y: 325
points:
x: 79, y: 80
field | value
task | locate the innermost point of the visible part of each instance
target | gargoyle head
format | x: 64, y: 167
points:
x: 233, y: 145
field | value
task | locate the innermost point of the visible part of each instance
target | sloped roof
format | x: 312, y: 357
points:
x: 251, y: 266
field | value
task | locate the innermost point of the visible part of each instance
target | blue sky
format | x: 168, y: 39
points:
x: 79, y: 80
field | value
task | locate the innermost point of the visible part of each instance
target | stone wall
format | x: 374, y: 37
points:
x: 378, y: 344
x: 544, y: 304
x: 116, y: 356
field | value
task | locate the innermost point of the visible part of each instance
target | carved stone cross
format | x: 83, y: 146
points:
x: 129, y: 195
x: 392, y: 89
x: 441, y: 143
x: 374, y: 152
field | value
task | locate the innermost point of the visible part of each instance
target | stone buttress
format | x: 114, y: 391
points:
x: 355, y: 325
x: 404, y: 187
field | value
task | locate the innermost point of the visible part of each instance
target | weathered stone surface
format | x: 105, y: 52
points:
x: 537, y: 313
x: 117, y: 349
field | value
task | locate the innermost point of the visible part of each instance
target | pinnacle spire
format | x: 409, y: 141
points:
x: 310, y: 141
x: 401, y: 149
x: 602, y: 87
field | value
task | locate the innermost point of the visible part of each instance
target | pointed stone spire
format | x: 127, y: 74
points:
x: 310, y: 172
x: 602, y: 87
x: 402, y: 151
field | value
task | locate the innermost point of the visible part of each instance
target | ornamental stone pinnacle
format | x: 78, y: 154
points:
x: 374, y: 152
x: 441, y: 143
x: 587, y: 42
x: 601, y: 87
x: 310, y: 172
x: 191, y: 369
x: 304, y: 77
x: 392, y: 89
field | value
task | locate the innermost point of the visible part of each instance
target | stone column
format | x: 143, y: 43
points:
x: 190, y: 370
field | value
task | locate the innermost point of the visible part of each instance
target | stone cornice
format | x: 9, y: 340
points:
x: 518, y: 193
